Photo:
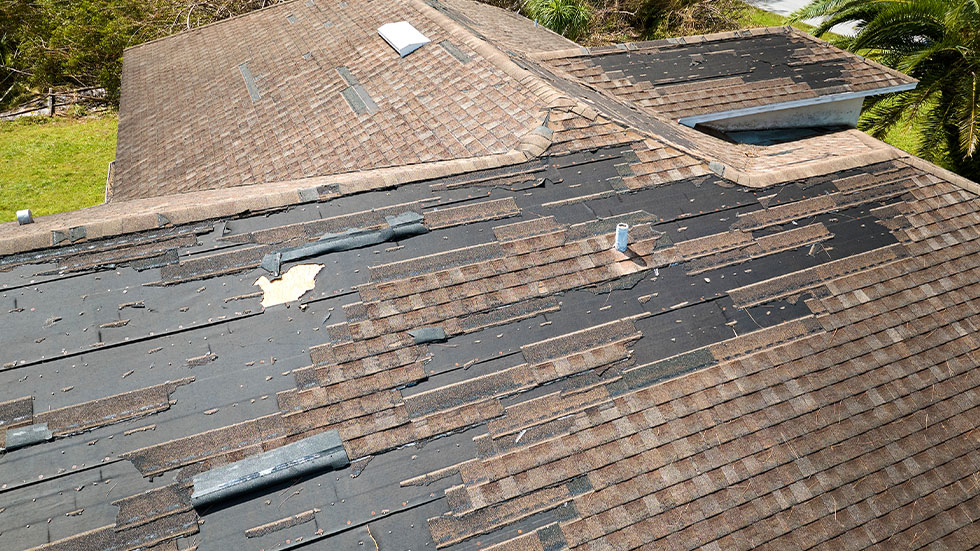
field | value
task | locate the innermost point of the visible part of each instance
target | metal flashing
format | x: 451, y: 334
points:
x: 829, y: 98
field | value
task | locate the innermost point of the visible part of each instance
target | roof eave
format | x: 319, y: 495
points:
x: 693, y: 120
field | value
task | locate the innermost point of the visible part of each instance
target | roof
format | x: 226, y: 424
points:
x: 728, y: 73
x: 269, y: 104
x: 456, y: 355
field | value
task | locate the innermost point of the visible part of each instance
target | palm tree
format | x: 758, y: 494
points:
x: 565, y: 17
x: 934, y: 41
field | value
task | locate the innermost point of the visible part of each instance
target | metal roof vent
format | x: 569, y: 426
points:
x: 403, y: 37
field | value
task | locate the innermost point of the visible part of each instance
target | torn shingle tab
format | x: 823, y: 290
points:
x: 470, y: 337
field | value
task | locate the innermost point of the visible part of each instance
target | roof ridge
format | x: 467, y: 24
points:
x: 551, y: 95
x: 211, y: 24
x: 658, y: 43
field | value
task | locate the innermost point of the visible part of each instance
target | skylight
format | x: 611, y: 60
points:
x: 403, y: 37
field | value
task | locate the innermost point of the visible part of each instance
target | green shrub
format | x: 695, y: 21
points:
x: 566, y: 17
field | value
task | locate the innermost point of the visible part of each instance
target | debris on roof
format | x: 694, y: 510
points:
x: 290, y: 286
x: 782, y: 357
x: 703, y: 79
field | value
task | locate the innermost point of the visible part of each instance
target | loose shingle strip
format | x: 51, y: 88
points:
x: 799, y: 281
x: 282, y: 524
x: 316, y: 453
x: 140, y: 537
x: 473, y: 212
x: 399, y: 226
x: 16, y: 411
x: 151, y: 505
x: 112, y: 409
x: 19, y: 437
x: 164, y: 456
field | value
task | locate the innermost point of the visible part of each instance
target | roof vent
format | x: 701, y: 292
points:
x: 403, y: 37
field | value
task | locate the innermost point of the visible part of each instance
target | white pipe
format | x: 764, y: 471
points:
x: 622, y: 237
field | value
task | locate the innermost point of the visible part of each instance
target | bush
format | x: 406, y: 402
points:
x: 566, y: 17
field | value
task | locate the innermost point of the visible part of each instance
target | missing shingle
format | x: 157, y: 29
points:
x: 455, y: 52
x: 359, y: 100
x: 253, y: 90
x: 308, y: 56
x: 291, y: 18
x: 348, y: 76
x: 327, y: 24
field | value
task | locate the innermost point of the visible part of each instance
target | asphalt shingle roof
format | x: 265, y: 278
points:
x: 783, y: 358
x: 189, y: 122
x: 726, y: 72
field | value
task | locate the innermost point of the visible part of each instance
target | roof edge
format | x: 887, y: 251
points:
x: 901, y: 155
x: 137, y: 215
x: 880, y: 152
x: 583, y: 51
x: 807, y: 36
x: 693, y: 120
x: 211, y: 24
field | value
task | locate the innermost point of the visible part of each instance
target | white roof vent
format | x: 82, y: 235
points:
x: 403, y: 37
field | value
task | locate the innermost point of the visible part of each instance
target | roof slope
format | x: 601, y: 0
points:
x: 789, y: 366
x: 186, y: 125
x: 727, y: 72
x: 788, y: 363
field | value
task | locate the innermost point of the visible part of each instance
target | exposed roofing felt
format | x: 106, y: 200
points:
x: 267, y: 97
x: 778, y: 363
x: 728, y: 72
x: 789, y: 366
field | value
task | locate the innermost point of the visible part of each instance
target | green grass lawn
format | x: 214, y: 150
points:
x: 756, y: 17
x: 54, y: 164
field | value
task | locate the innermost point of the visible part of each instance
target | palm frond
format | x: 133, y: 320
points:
x: 967, y: 125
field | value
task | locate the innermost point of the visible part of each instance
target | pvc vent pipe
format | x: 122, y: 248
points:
x: 25, y: 217
x: 622, y: 237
